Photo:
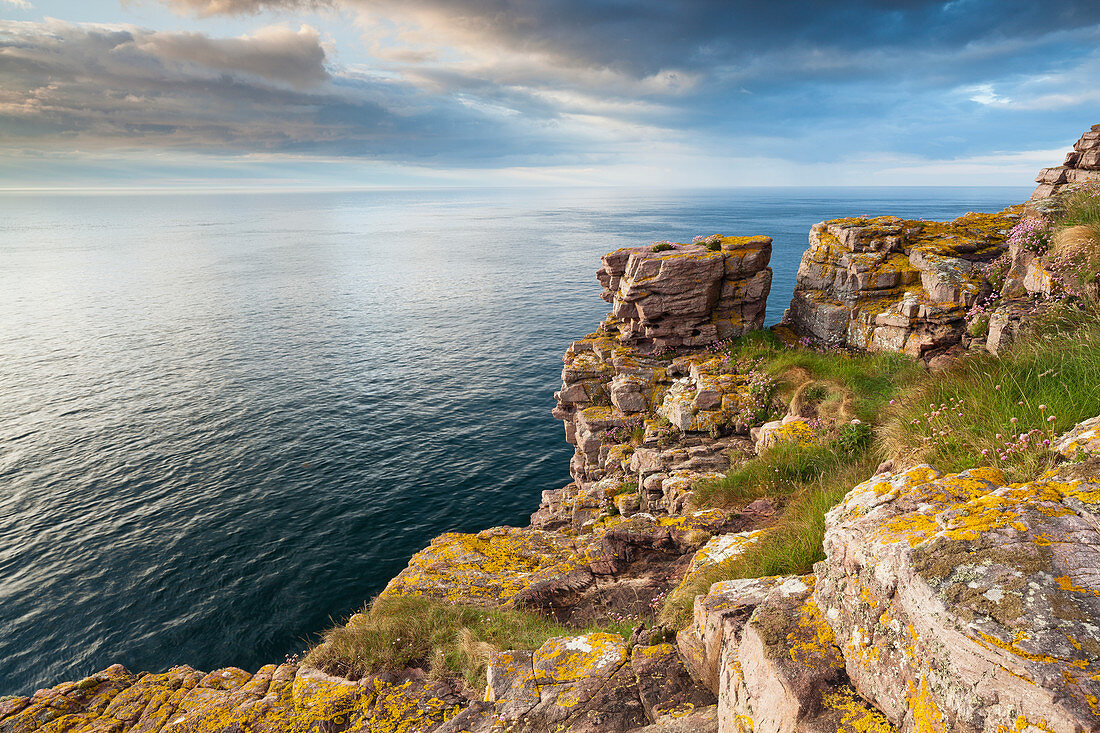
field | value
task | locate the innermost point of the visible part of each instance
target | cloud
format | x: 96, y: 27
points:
x: 20, y: 4
x: 89, y: 87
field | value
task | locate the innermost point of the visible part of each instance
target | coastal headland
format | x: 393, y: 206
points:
x: 881, y: 515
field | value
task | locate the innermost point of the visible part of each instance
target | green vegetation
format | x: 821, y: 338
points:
x: 785, y: 469
x: 1003, y: 411
x: 848, y: 392
x: 790, y: 548
x: 393, y: 633
x: 661, y: 247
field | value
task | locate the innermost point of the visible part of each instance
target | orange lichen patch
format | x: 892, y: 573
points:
x: 1065, y: 583
x: 565, y: 659
x: 856, y: 716
x: 1023, y: 725
x: 927, y: 717
x: 1015, y: 648
x: 811, y: 641
x: 486, y: 568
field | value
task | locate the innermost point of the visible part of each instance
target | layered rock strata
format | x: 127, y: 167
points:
x: 688, y: 294
x: 893, y: 284
x: 682, y: 412
x: 1082, y: 165
x: 945, y: 603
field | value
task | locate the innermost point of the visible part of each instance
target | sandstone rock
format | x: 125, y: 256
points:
x: 582, y: 683
x: 886, y: 283
x: 964, y: 602
x: 688, y: 295
x: 718, y: 549
x: 274, y: 700
x: 797, y: 431
x: 1081, y: 442
x: 490, y: 567
x: 703, y: 720
x: 766, y: 648
x: 1081, y: 165
x: 664, y: 686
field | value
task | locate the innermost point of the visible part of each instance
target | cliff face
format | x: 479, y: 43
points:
x: 896, y: 285
x: 959, y: 602
x: 1082, y: 165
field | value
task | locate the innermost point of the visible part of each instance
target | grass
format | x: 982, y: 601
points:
x: 810, y: 479
x: 1081, y: 208
x: 1044, y: 385
x: 783, y: 469
x: 790, y: 548
x: 869, y: 378
x: 447, y: 640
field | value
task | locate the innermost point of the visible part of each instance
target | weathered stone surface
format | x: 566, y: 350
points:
x: 1082, y: 441
x: 490, y: 567
x: 1081, y: 165
x: 664, y: 686
x: 886, y: 283
x: 274, y: 700
x: 966, y: 603
x: 767, y: 650
x: 582, y: 683
x: 697, y: 721
x: 688, y: 295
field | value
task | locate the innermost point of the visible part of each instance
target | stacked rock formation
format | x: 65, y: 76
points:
x: 689, y: 294
x: 686, y: 412
x: 945, y: 603
x: 1082, y: 165
x: 892, y: 284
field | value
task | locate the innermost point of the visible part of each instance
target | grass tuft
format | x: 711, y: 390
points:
x: 1003, y: 411
x: 413, y: 631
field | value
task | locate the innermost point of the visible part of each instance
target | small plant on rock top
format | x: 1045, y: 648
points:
x: 712, y: 242
x: 1031, y: 233
x: 661, y: 246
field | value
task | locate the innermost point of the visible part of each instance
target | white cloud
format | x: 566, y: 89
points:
x: 984, y: 94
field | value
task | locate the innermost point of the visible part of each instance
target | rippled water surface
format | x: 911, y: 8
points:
x: 227, y: 420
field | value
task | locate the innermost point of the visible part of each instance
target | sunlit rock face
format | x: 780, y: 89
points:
x: 891, y: 284
x: 1082, y: 165
x: 964, y: 602
x: 688, y: 295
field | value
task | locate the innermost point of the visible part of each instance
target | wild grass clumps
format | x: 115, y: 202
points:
x: 1069, y: 240
x: 1003, y: 411
x: 661, y: 246
x: 394, y: 633
x: 791, y: 547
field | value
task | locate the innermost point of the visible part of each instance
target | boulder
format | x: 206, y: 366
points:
x: 688, y: 294
x: 1081, y: 165
x: 968, y: 603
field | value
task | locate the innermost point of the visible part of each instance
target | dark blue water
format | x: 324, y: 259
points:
x: 227, y: 420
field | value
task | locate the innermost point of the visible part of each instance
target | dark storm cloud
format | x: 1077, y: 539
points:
x: 98, y: 86
x: 643, y: 37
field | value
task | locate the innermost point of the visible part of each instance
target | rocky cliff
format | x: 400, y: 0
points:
x: 945, y: 602
x: 1082, y: 165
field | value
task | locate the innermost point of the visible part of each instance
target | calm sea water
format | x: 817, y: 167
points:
x: 227, y: 420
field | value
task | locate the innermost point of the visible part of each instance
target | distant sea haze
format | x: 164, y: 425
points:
x: 229, y: 420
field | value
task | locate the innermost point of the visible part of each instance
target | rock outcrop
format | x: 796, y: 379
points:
x: 688, y: 294
x: 944, y: 603
x: 1082, y: 165
x: 892, y: 284
x: 964, y: 602
x: 274, y: 700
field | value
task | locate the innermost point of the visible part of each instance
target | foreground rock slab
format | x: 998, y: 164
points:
x: 967, y: 603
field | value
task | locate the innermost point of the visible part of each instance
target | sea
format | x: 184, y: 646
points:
x: 228, y: 419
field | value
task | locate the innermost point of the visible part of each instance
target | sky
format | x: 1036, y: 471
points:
x: 700, y: 93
